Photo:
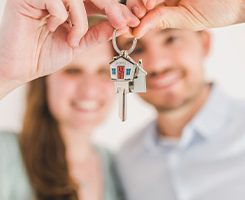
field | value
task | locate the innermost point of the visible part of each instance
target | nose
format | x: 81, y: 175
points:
x: 157, y: 59
x: 88, y: 86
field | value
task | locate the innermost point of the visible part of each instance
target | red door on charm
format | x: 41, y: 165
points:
x: 120, y: 72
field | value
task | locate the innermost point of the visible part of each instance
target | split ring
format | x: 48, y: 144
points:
x: 114, y: 43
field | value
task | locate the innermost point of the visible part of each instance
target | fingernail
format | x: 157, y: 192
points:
x: 136, y: 10
x: 134, y: 22
x: 150, y: 5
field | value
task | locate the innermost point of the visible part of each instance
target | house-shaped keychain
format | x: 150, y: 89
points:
x: 128, y: 74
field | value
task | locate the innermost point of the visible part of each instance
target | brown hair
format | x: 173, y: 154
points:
x: 43, y: 148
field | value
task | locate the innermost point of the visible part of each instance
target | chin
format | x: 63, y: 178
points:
x: 84, y: 126
x: 83, y: 121
x: 169, y: 106
x: 165, y: 102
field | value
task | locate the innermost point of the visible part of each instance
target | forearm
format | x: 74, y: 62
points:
x: 7, y: 86
x: 242, y: 12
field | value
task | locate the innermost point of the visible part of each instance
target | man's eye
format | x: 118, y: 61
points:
x: 104, y: 72
x: 72, y: 71
x: 170, y: 40
x: 138, y: 50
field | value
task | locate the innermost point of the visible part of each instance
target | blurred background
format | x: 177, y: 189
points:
x: 225, y: 65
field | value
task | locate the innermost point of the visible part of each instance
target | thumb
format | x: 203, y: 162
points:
x: 164, y: 17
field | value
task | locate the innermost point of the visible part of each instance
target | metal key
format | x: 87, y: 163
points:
x: 122, y: 103
x: 128, y: 76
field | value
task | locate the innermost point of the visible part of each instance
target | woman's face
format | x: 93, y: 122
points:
x: 80, y: 95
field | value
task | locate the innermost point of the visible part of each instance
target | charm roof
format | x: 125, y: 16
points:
x: 127, y: 59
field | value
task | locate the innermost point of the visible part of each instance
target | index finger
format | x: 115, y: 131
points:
x: 78, y: 17
x: 97, y: 34
x: 137, y: 7
x: 114, y: 12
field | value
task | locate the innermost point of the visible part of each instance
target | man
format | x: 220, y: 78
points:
x: 195, y: 149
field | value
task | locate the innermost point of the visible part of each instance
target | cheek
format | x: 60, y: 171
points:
x: 106, y: 96
x: 59, y: 92
x: 107, y: 91
x: 192, y: 59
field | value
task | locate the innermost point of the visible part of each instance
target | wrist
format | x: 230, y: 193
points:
x: 7, y: 85
x: 241, y: 17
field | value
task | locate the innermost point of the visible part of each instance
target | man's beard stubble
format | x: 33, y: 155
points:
x: 186, y: 102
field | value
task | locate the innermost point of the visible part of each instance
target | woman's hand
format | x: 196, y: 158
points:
x: 38, y: 37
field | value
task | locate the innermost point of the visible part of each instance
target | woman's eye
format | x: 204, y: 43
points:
x: 138, y: 50
x: 171, y: 40
x: 104, y: 72
x: 73, y: 71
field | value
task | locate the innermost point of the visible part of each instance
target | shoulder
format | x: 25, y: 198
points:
x: 235, y: 107
x: 10, y: 153
x: 223, y: 116
x: 8, y: 142
x: 8, y: 135
x: 236, y: 115
x: 14, y: 182
x: 222, y: 107
x: 107, y: 160
x: 105, y: 154
x: 112, y: 185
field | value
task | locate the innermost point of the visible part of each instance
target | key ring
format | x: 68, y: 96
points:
x: 114, y: 43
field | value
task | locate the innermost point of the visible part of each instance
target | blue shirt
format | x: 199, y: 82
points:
x: 206, y: 163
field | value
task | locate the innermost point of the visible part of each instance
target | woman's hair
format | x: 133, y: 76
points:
x: 43, y: 150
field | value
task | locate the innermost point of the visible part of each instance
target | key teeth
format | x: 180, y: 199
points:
x: 123, y: 119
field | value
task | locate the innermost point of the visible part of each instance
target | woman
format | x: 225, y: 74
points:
x: 53, y: 157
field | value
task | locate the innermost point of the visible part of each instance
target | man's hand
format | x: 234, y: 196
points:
x: 186, y: 14
x: 38, y: 37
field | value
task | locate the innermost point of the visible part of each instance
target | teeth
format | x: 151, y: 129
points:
x: 87, y: 105
x: 168, y: 79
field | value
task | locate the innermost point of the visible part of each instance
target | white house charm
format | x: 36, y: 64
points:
x: 127, y: 75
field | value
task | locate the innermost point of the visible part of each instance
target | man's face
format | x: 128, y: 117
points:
x: 173, y: 60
